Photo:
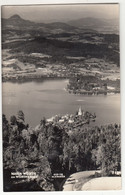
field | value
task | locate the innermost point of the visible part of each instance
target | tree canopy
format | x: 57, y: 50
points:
x: 50, y: 148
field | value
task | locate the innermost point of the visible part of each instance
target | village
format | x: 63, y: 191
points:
x: 92, y: 85
x: 71, y: 121
x: 25, y: 67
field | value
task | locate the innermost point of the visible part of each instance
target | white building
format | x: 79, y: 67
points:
x: 80, y: 111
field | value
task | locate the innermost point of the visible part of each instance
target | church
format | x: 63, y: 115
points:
x: 80, y: 112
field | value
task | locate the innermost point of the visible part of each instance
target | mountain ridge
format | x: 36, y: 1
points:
x: 101, y: 24
x: 89, y: 21
x: 16, y: 20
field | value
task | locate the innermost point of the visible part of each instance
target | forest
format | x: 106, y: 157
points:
x: 59, y: 49
x: 48, y: 149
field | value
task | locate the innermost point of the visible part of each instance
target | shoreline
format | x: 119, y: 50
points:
x: 90, y: 93
x: 41, y: 79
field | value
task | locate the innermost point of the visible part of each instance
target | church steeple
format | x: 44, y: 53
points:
x: 80, y: 111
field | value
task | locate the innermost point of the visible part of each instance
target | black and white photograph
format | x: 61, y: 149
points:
x: 61, y: 113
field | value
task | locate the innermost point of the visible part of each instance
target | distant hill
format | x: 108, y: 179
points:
x: 17, y: 22
x: 58, y: 49
x: 99, y: 24
x: 60, y: 25
x: 60, y: 39
x: 89, y: 22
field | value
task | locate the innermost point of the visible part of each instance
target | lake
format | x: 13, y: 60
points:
x: 49, y: 97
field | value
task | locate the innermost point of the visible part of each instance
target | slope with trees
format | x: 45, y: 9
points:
x: 48, y: 149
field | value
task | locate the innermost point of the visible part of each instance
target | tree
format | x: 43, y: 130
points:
x: 20, y: 121
x: 20, y: 116
x: 13, y: 120
x: 43, y: 121
x: 5, y: 127
x: 44, y: 179
x: 107, y: 155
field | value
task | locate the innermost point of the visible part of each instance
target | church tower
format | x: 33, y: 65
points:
x: 80, y: 111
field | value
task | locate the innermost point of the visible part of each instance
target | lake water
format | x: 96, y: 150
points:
x: 48, y: 98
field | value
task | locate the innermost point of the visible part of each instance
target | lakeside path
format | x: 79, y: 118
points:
x: 76, y: 180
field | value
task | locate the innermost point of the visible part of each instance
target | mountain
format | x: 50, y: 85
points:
x: 59, y: 25
x: 99, y: 24
x: 87, y: 22
x: 16, y: 22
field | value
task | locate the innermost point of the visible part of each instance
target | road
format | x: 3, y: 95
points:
x: 76, y: 180
x: 103, y: 183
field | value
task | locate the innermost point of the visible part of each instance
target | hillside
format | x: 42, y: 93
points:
x: 58, y: 49
x: 52, y: 151
x: 99, y: 24
x: 89, y: 22
x: 16, y: 22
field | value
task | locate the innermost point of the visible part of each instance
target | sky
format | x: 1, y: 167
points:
x: 49, y: 13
